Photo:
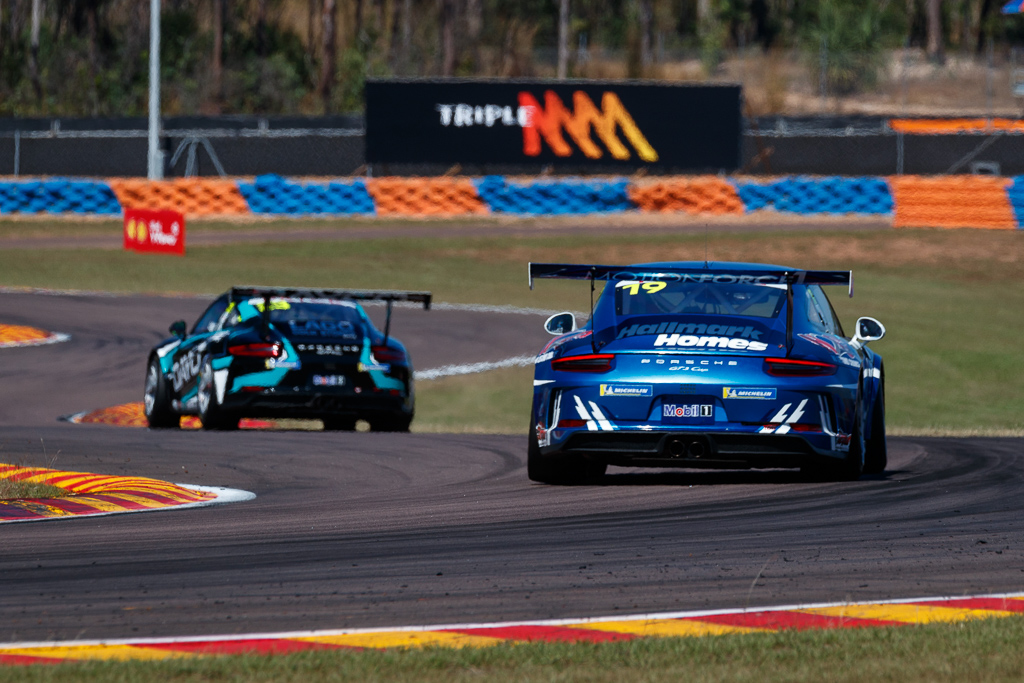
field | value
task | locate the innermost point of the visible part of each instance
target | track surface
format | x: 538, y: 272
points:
x: 367, y: 530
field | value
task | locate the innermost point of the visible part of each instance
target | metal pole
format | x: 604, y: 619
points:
x: 156, y: 155
x: 17, y: 152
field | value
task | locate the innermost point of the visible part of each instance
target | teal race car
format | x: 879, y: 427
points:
x: 283, y: 352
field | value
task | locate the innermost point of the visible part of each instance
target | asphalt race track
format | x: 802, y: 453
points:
x: 372, y: 530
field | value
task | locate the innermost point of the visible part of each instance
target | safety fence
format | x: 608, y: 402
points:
x: 908, y: 201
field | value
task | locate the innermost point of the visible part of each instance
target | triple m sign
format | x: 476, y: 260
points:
x: 568, y: 123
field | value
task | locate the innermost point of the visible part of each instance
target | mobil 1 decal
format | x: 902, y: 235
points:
x: 684, y: 410
x: 669, y: 335
x: 577, y: 123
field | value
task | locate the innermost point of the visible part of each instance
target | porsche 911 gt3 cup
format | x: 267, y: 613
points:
x: 720, y: 365
x: 284, y: 352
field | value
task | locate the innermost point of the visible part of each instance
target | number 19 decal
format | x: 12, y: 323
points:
x: 649, y: 287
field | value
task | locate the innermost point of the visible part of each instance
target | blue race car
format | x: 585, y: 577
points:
x: 284, y: 352
x: 710, y: 365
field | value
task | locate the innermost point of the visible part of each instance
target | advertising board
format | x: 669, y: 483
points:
x: 577, y: 123
x: 158, y: 231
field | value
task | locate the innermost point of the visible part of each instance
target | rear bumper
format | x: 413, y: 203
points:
x: 314, y: 405
x: 723, y: 450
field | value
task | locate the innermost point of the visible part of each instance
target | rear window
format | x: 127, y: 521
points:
x: 698, y: 298
x: 306, y: 310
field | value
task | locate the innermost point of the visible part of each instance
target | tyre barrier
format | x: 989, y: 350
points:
x: 699, y: 196
x: 555, y: 197
x: 190, y: 196
x: 274, y: 195
x: 425, y: 197
x: 911, y: 201
x: 808, y: 196
x: 953, y: 202
x: 58, y: 195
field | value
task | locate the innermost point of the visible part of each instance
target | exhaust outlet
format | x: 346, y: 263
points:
x: 676, y: 448
x: 696, y: 449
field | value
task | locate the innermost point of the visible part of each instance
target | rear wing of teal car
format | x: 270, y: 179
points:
x: 242, y: 292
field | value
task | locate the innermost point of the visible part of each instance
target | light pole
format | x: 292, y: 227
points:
x: 156, y: 155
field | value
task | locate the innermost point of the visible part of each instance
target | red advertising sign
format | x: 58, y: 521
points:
x: 162, y: 231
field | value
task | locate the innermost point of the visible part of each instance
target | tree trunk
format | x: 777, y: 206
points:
x: 33, y: 62
x: 447, y: 37
x: 646, y: 19
x: 936, y: 50
x: 327, y: 66
x: 405, y: 54
x: 261, y: 28
x: 474, y: 29
x: 217, y: 58
x: 563, y: 38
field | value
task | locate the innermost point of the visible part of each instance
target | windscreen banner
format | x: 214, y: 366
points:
x: 147, y: 230
x: 573, y: 123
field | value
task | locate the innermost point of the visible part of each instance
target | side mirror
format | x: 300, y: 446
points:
x: 177, y: 329
x: 560, y: 323
x: 868, y: 330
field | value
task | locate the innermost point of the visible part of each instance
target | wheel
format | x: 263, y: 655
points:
x: 339, y: 424
x: 565, y: 470
x: 391, y: 423
x: 876, y: 456
x: 157, y: 399
x: 211, y: 414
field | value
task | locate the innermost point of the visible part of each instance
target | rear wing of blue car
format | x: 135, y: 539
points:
x: 242, y: 292
x: 580, y: 271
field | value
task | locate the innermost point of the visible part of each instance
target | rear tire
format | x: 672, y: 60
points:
x: 564, y: 470
x: 391, y: 423
x: 339, y: 424
x: 157, y: 399
x: 211, y: 414
x: 876, y: 457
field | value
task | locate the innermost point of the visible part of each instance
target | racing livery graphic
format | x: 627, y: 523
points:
x: 280, y: 352
x: 710, y: 365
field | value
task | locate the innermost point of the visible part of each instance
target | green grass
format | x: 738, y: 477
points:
x: 987, y: 650
x: 953, y: 301
x: 10, y: 489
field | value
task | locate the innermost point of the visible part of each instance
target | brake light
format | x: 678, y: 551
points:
x: 387, y: 354
x: 591, y: 362
x: 791, y: 367
x: 259, y: 350
x: 566, y: 424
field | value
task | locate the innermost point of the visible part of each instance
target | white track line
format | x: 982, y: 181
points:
x: 484, y: 625
x: 471, y: 368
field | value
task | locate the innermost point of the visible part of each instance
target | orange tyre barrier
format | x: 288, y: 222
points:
x: 708, y: 195
x: 190, y: 196
x: 952, y: 202
x: 425, y: 197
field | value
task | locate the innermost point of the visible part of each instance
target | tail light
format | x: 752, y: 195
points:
x: 387, y: 354
x: 591, y: 362
x: 790, y: 367
x: 259, y: 350
x: 565, y: 424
